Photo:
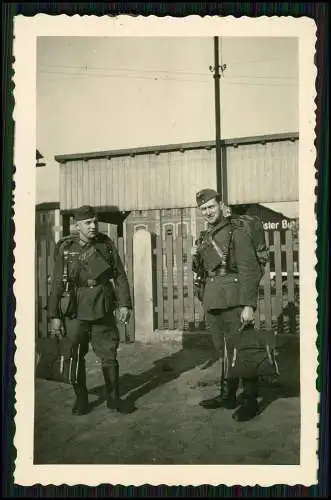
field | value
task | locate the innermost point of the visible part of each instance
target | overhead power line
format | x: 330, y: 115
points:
x: 265, y: 77
x: 104, y: 75
x: 226, y: 80
x: 87, y: 67
x: 104, y: 68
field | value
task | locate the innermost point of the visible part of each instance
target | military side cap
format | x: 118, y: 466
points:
x: 205, y: 195
x: 84, y: 212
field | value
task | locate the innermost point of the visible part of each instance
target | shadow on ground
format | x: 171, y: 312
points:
x: 163, y: 371
x: 199, y: 352
x: 287, y: 384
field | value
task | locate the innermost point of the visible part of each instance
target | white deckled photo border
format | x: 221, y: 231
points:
x: 26, y: 31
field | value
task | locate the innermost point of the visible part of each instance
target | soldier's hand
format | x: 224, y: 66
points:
x: 194, y: 250
x: 247, y: 315
x: 123, y: 315
x: 56, y: 326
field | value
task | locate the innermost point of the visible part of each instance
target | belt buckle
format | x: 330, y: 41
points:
x: 91, y: 283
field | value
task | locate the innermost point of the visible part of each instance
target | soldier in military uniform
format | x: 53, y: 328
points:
x: 225, y: 256
x: 98, y: 290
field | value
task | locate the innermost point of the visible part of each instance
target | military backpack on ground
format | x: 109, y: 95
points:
x: 56, y: 360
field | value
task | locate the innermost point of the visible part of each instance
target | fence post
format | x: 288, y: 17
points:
x: 170, y: 280
x: 159, y: 281
x: 143, y: 290
x: 190, y: 291
x: 43, y: 286
x: 180, y: 281
x: 120, y: 249
x: 36, y: 292
x: 290, y: 281
x: 267, y: 291
x: 279, y: 280
x: 129, y: 267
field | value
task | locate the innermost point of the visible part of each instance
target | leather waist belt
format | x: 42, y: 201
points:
x: 91, y: 283
x: 217, y: 272
x: 88, y: 284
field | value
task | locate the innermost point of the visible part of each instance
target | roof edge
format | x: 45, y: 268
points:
x: 260, y: 139
x: 48, y: 205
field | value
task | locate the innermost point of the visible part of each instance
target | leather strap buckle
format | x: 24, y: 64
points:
x: 91, y: 283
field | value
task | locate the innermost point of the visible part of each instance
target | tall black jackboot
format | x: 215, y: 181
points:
x: 227, y: 397
x: 111, y: 376
x: 81, y: 406
x: 249, y: 407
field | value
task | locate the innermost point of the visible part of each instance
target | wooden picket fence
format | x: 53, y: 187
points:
x: 177, y: 307
x: 44, y: 250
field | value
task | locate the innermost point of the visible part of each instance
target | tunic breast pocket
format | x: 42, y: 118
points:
x: 222, y: 292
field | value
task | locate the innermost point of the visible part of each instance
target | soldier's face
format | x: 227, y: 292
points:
x: 87, y: 228
x: 211, y: 211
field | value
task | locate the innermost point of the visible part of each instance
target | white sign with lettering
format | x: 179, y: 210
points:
x: 277, y: 226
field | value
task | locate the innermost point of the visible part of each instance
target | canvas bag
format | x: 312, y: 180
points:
x: 55, y: 360
x: 251, y: 353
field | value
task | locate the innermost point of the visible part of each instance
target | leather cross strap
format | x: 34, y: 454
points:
x: 217, y: 248
x: 222, y: 255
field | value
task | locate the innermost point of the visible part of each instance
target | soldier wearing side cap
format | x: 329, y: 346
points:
x: 89, y: 288
x: 224, y: 254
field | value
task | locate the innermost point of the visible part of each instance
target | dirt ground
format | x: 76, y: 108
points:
x: 164, y: 382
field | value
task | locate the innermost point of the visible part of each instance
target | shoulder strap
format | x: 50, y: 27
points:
x: 200, y: 238
x: 109, y: 244
x: 223, y: 255
x: 237, y: 222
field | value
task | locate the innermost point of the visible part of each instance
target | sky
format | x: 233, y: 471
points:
x: 104, y: 93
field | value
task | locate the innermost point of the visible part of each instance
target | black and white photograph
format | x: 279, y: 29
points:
x: 166, y: 171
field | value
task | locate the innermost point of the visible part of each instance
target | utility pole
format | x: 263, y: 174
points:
x: 217, y: 116
x: 217, y: 75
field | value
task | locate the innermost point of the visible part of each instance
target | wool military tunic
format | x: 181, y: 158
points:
x: 97, y: 275
x: 233, y: 274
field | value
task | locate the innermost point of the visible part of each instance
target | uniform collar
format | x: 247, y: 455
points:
x: 85, y: 244
x: 95, y: 242
x: 220, y: 224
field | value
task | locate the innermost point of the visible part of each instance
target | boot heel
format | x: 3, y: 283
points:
x: 114, y: 402
x: 227, y: 399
